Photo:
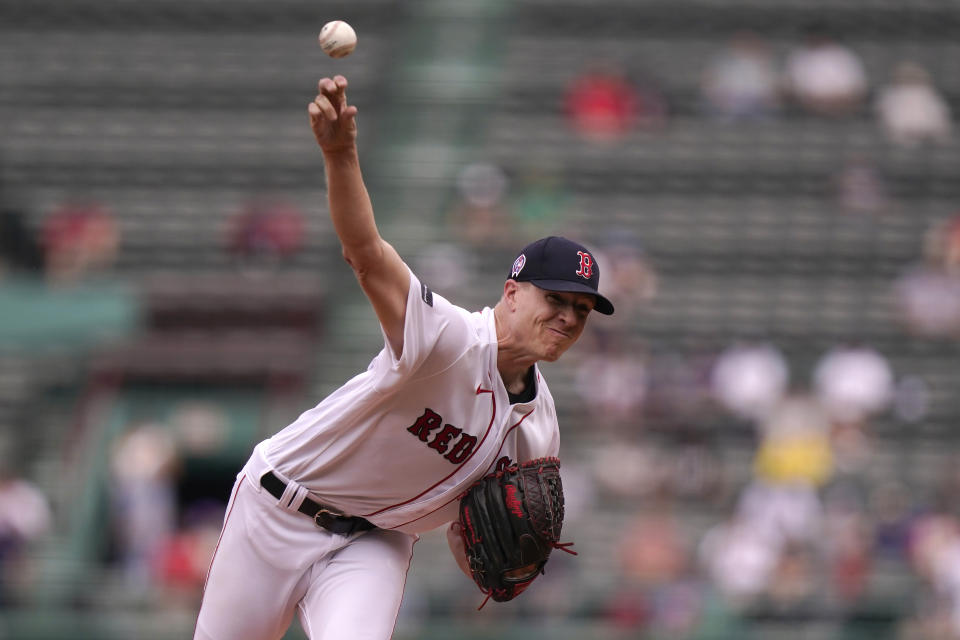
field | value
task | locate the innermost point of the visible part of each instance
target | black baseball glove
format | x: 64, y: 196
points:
x: 510, y: 521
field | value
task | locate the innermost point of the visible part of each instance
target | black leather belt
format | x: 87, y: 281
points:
x: 322, y: 516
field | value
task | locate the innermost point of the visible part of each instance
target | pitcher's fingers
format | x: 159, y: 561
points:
x: 329, y: 88
x: 341, y: 84
x: 348, y: 113
x: 326, y: 108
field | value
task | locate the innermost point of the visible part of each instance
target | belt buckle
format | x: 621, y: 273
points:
x: 324, y: 511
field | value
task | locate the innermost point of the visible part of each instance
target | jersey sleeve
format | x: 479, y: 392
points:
x: 435, y: 335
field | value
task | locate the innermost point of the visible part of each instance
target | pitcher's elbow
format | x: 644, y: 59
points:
x: 363, y: 259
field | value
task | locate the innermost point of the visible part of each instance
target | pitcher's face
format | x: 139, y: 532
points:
x: 551, y: 321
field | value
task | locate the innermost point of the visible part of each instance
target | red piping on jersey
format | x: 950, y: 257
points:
x: 512, y: 427
x: 493, y: 416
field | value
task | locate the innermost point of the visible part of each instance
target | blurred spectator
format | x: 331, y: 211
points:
x: 655, y: 592
x: 853, y: 384
x: 893, y: 510
x: 678, y: 608
x: 480, y: 217
x: 603, y: 104
x: 206, y: 466
x: 697, y: 471
x: 928, y: 294
x: 80, y: 238
x: 794, y: 582
x: 750, y: 379
x: 763, y: 551
x: 860, y: 189
x: 948, y: 485
x: 628, y: 471
x: 929, y: 302
x: 687, y: 470
x: 739, y: 559
x: 942, y: 243
x: 265, y: 232
x: 911, y: 400
x: 628, y: 275
x: 612, y: 381
x: 679, y: 389
x: 848, y: 544
x: 652, y: 550
x: 911, y: 110
x: 741, y: 81
x: 25, y: 516
x: 935, y: 556
x: 143, y: 463
x: 790, y: 513
x: 201, y: 428
x: 795, y: 448
x: 824, y: 76
x: 181, y: 561
x: 628, y: 608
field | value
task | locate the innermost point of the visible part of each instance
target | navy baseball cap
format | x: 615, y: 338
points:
x: 555, y: 263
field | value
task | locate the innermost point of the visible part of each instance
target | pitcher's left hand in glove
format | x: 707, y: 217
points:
x: 510, y: 522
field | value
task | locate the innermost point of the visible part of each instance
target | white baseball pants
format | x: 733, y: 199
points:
x: 272, y: 562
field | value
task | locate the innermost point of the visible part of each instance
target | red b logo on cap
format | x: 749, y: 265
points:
x: 586, y: 265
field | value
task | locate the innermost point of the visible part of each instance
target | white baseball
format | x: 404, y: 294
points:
x: 337, y: 39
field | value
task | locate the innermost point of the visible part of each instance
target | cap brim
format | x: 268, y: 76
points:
x: 603, y: 305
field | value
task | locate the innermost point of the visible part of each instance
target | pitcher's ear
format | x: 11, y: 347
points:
x: 511, y: 289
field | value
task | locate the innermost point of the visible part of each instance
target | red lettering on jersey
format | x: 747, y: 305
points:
x: 443, y: 438
x: 444, y: 441
x: 462, y: 449
x: 426, y: 423
x: 586, y: 265
x: 502, y: 464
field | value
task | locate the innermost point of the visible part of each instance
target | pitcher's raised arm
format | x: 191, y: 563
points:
x: 380, y: 271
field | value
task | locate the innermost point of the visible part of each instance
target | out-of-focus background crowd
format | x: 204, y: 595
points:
x: 761, y: 443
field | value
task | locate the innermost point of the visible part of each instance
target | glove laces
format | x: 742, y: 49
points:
x: 563, y: 546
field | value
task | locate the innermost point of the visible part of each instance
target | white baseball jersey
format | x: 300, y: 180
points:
x: 400, y: 442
